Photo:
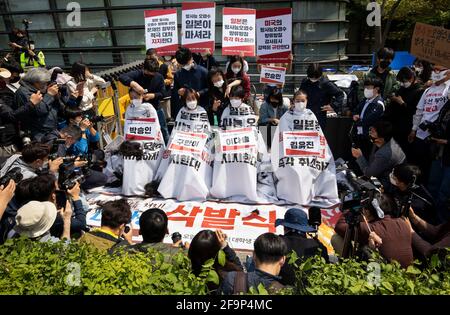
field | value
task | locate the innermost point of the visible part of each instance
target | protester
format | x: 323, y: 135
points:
x: 238, y: 113
x: 271, y: 111
x: 235, y: 75
x: 385, y: 155
x: 218, y: 100
x: 205, y: 59
x: 296, y: 229
x: 19, y: 42
x: 423, y: 70
x: 189, y: 76
x: 324, y: 96
x: 206, y: 245
x: 394, y: 233
x: 115, y: 216
x: 269, y: 254
x: 32, y: 58
x: 89, y: 135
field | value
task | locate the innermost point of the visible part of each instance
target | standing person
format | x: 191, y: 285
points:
x: 235, y: 75
x: 206, y: 60
x: 323, y: 96
x: 32, y: 58
x: 403, y: 106
x: 423, y: 70
x: 190, y: 76
x: 218, y: 101
x: 428, y: 109
x: 19, y: 43
x: 149, y: 83
x: 382, y: 71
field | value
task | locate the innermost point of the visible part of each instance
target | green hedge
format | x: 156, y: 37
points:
x: 28, y: 267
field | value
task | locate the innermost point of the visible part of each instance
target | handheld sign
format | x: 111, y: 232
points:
x: 274, y: 75
x: 198, y: 26
x: 238, y: 32
x: 431, y: 43
x: 161, y: 31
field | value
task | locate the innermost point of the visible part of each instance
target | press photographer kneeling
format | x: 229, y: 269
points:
x: 374, y: 226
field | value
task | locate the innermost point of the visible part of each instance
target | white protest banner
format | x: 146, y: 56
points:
x: 274, y: 35
x: 198, y: 26
x: 161, y: 31
x: 238, y: 32
x: 188, y: 143
x: 301, y: 143
x: 238, y: 140
x: 141, y: 129
x: 274, y: 75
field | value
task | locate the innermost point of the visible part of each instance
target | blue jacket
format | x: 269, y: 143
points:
x: 372, y: 114
x: 267, y: 111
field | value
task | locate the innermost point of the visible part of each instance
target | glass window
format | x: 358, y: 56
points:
x: 319, y: 31
x: 130, y: 37
x: 117, y: 3
x: 45, y: 40
x: 88, y: 19
x: 4, y: 40
x: 87, y: 39
x: 2, y: 24
x: 91, y: 57
x: 130, y: 56
x: 54, y: 59
x: 62, y: 4
x: 127, y: 17
x: 28, y: 5
x: 38, y: 21
x: 313, y: 10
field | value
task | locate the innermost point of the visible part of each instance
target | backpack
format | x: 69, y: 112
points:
x: 241, y: 284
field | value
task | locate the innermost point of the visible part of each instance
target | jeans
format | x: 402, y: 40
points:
x: 439, y: 187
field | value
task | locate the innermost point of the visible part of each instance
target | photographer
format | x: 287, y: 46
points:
x: 6, y: 194
x: 386, y: 154
x: 392, y: 235
x: 115, y: 216
x: 42, y: 117
x: 89, y: 135
x: 439, y: 182
x: 34, y: 159
x: 32, y: 58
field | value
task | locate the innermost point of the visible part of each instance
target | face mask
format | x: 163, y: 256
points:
x: 14, y: 80
x: 368, y: 93
x: 438, y: 76
x: 235, y: 103
x: 393, y: 180
x: 137, y: 102
x: 219, y: 84
x: 405, y: 84
x: 236, y: 70
x: 299, y: 106
x: 313, y: 80
x: 384, y: 64
x: 167, y: 58
x: 32, y: 47
x: 418, y: 70
x: 191, y: 104
x: 275, y: 104
x: 188, y: 67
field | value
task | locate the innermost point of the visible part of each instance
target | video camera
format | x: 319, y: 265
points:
x: 69, y: 175
x: 13, y: 174
x: 94, y: 119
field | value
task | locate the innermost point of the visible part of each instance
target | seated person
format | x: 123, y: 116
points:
x: 269, y: 254
x: 238, y: 114
x: 115, y: 216
x: 270, y: 112
x: 394, y: 233
x: 191, y: 116
x: 218, y: 100
x: 385, y: 155
x: 296, y: 227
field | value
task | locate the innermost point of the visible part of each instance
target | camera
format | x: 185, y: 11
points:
x: 13, y: 174
x: 26, y: 22
x: 176, y: 237
x: 434, y: 128
x: 94, y: 119
x: 69, y: 176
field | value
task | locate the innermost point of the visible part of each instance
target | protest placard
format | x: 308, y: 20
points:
x: 238, y: 32
x: 273, y: 75
x: 198, y: 21
x: 301, y: 143
x: 431, y: 43
x: 188, y: 143
x: 141, y: 129
x: 161, y: 31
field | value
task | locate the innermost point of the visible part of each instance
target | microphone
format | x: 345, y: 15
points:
x: 314, y: 217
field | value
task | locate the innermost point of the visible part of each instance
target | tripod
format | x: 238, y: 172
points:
x: 351, y: 242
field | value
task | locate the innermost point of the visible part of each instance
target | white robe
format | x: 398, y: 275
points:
x: 187, y: 176
x: 303, y: 179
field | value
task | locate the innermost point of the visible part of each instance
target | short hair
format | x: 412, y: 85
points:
x: 115, y: 213
x: 384, y: 129
x: 151, y: 51
x: 237, y: 91
x: 55, y: 72
x: 213, y: 72
x: 72, y: 112
x: 39, y: 188
x: 406, y: 173
x: 153, y: 225
x: 270, y: 248
x: 187, y: 92
x: 405, y: 74
x: 151, y: 65
x: 183, y: 55
x: 35, y: 151
x: 203, y: 247
x: 314, y: 70
x: 386, y: 53
x: 73, y: 131
x: 37, y: 75
x: 375, y: 82
x: 277, y: 94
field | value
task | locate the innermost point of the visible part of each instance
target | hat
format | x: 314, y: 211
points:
x: 35, y: 218
x: 295, y: 219
x: 4, y: 73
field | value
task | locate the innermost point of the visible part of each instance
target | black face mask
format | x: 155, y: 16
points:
x: 384, y: 64
x: 14, y: 80
x: 275, y: 104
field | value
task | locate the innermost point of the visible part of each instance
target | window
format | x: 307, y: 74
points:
x: 118, y: 3
x: 38, y: 21
x: 28, y: 5
x: 91, y: 57
x: 87, y: 39
x: 127, y: 17
x: 88, y: 19
x: 45, y: 40
x: 62, y: 4
x: 130, y: 37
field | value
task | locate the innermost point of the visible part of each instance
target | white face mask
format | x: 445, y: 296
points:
x: 299, y: 106
x: 191, y: 104
x: 167, y: 58
x: 405, y: 84
x: 219, y: 84
x: 236, y: 70
x: 438, y: 76
x: 235, y: 103
x: 188, y: 66
x: 393, y: 180
x: 368, y: 93
x: 32, y: 47
x: 137, y: 102
x: 419, y: 70
x: 313, y: 80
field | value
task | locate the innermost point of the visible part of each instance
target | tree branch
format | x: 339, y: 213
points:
x: 389, y: 22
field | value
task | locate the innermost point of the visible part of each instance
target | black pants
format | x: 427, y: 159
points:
x: 94, y: 179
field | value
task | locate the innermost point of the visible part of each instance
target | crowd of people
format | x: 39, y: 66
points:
x: 50, y: 141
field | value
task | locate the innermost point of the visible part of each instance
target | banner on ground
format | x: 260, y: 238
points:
x: 161, y: 31
x: 274, y: 35
x: 243, y: 223
x: 272, y: 75
x: 431, y: 43
x: 198, y: 27
x: 238, y: 32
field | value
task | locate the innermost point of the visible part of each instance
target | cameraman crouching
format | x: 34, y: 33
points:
x: 439, y: 182
x: 391, y: 236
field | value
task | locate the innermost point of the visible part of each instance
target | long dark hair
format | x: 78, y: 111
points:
x: 78, y: 72
x: 211, y: 88
x: 230, y: 72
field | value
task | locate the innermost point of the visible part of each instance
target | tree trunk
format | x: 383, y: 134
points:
x: 389, y: 22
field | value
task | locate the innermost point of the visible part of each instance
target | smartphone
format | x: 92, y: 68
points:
x: 61, y: 199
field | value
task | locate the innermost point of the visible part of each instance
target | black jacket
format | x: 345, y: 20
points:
x: 209, y: 63
x: 444, y: 122
x: 8, y: 118
x: 322, y: 93
x: 216, y: 94
x: 373, y: 113
x: 304, y: 248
